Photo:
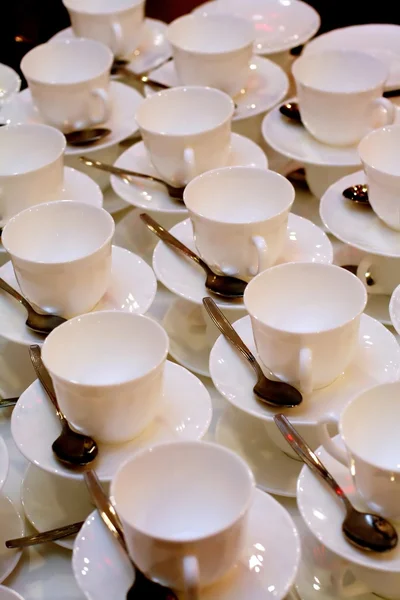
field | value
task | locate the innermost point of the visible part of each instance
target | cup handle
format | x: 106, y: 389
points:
x: 388, y: 107
x: 190, y: 164
x: 363, y: 270
x: 191, y: 576
x: 354, y: 589
x: 305, y: 370
x: 118, y: 41
x: 332, y: 447
x: 104, y: 98
x: 261, y: 247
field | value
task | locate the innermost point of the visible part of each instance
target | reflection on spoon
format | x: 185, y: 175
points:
x: 291, y: 111
x: 357, y: 193
x: 84, y: 137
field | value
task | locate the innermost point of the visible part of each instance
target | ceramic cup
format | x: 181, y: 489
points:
x: 368, y: 427
x: 320, y: 178
x: 197, y: 532
x: 239, y: 217
x: 107, y: 368
x: 212, y: 50
x: 379, y: 274
x: 305, y: 319
x: 69, y: 81
x: 378, y: 155
x: 340, y: 95
x: 117, y: 24
x: 186, y: 131
x: 10, y: 83
x: 61, y: 254
x: 31, y: 167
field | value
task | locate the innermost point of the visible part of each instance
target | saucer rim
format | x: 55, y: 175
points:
x: 21, y: 532
x: 6, y: 456
x: 395, y: 298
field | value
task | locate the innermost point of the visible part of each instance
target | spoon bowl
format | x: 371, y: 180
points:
x: 85, y: 137
x: 291, y: 111
x: 358, y: 194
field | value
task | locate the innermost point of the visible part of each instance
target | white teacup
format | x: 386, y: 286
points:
x: 379, y: 274
x: 186, y: 131
x: 117, y: 24
x: 184, y: 511
x: 378, y: 153
x: 305, y: 319
x: 212, y: 50
x: 61, y: 254
x: 31, y: 167
x: 69, y: 81
x: 239, y: 217
x: 368, y: 426
x: 340, y: 95
x: 107, y: 368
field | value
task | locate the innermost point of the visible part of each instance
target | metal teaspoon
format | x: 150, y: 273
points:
x: 220, y: 285
x: 70, y: 447
x: 365, y: 531
x: 174, y: 192
x: 274, y: 393
x: 358, y: 194
x: 38, y: 323
x: 84, y: 137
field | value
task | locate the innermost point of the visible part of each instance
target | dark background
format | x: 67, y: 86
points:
x: 26, y: 23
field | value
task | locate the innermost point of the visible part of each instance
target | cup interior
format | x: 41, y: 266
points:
x: 379, y: 149
x: 239, y: 195
x: 369, y: 425
x: 105, y: 348
x: 340, y: 71
x: 95, y: 7
x: 208, y: 34
x: 305, y: 297
x: 57, y: 232
x: 67, y: 61
x: 26, y: 148
x: 183, y: 491
x: 184, y: 111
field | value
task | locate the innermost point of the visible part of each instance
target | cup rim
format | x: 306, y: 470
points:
x: 352, y: 401
x: 159, y: 448
x: 321, y: 266
x: 106, y: 386
x: 177, y: 90
x: 70, y: 6
x: 74, y: 261
x: 220, y: 17
x: 375, y: 133
x: 210, y: 174
x: 66, y: 42
x: 35, y: 127
x: 344, y: 52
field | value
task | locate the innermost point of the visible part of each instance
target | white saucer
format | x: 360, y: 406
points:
x: 378, y: 308
x: 323, y: 515
x: 266, y: 570
x: 11, y: 527
x: 111, y: 202
x: 356, y: 225
x: 153, y: 50
x: 305, y: 243
x: 35, y: 426
x: 7, y: 593
x: 153, y: 196
x: 377, y: 360
x: 125, y: 101
x: 133, y: 288
x: 4, y: 462
x: 382, y: 41
x: 293, y: 141
x: 279, y: 26
x: 184, y: 323
x: 50, y: 502
x: 274, y: 471
x: 267, y: 85
x: 394, y: 309
x: 79, y: 186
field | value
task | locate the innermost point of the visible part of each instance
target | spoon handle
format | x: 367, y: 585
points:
x: 6, y: 402
x: 222, y: 323
x: 123, y: 70
x: 47, y: 536
x: 309, y: 457
x: 44, y: 378
x: 10, y: 290
x: 97, y: 164
x: 169, y: 239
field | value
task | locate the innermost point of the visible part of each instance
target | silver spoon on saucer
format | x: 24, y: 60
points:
x: 85, y: 137
x: 291, y: 111
x: 274, y: 393
x: 358, y: 193
x: 220, y: 285
x: 174, y: 192
x: 38, y: 323
x: 365, y: 531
